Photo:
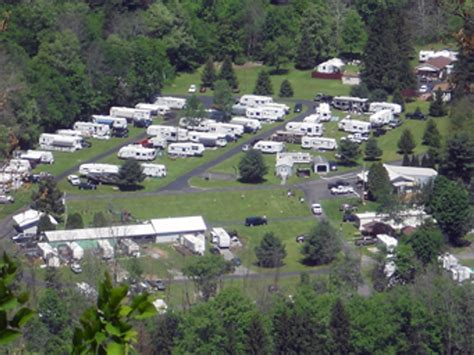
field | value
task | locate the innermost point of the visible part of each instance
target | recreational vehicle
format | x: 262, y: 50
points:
x: 91, y: 129
x: 250, y: 125
x: 255, y: 100
x: 124, y: 112
x: 18, y: 166
x: 239, y: 109
x: 175, y: 103
x: 170, y: 133
x: 349, y: 103
x: 381, y: 117
x: 111, y: 121
x: 137, y: 152
x: 314, y: 118
x: 106, y: 248
x: 198, y: 124
x: 91, y: 169
x: 158, y: 142
x: 153, y: 170
x: 155, y: 109
x: 186, y: 149
x: 324, y: 112
x: 379, y: 106
x: 284, y: 107
x: 208, y: 139
x: 264, y: 113
x: 309, y: 129
x: 354, y: 126
x: 227, y: 128
x: 69, y: 132
x: 65, y: 143
x: 288, y: 137
x: 269, y: 146
x: 38, y: 156
x: 318, y: 143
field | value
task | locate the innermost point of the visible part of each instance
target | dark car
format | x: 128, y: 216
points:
x: 349, y: 217
x: 338, y: 183
x: 323, y: 98
x: 158, y: 285
x: 395, y: 123
x: 141, y: 123
x: 87, y: 186
x: 169, y: 115
x: 380, y: 131
x: 236, y: 262
x: 120, y: 132
x: 255, y: 221
x: 417, y: 115
x: 298, y: 107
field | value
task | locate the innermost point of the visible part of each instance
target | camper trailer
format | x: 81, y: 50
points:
x: 158, y: 142
x: 324, y: 112
x: 130, y: 247
x: 354, y: 126
x: 239, y: 109
x: 69, y: 132
x: 174, y: 103
x: 264, y: 113
x: 234, y: 130
x: 201, y: 125
x: 194, y: 242
x: 111, y: 121
x: 349, y: 103
x: 250, y: 125
x: 91, y: 129
x: 381, y: 117
x: 18, y: 166
x: 288, y: 137
x: 155, y: 109
x: 38, y: 156
x: 186, y: 149
x: 379, y: 106
x: 106, y: 249
x: 255, y: 100
x: 170, y: 133
x: 124, y: 112
x: 154, y: 170
x: 314, y: 118
x: 318, y: 143
x: 309, y: 129
x: 270, y: 147
x: 60, y: 142
x: 220, y: 237
x: 208, y: 139
x: 94, y: 169
x: 284, y: 107
x: 137, y: 152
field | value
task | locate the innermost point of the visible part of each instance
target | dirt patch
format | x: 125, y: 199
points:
x: 156, y: 253
x: 249, y: 65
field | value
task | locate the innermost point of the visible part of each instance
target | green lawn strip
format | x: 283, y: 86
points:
x: 22, y: 198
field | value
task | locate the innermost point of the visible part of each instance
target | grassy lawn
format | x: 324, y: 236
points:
x: 22, y: 198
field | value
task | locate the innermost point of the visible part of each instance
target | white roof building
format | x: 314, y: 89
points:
x: 389, y: 242
x: 333, y: 65
x: 28, y: 220
x: 412, y: 218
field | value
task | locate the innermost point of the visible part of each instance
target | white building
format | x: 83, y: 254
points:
x: 194, y: 242
x: 28, y: 220
x: 334, y: 65
x: 412, y: 218
x: 389, y: 242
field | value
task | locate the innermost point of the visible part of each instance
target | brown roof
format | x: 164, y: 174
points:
x: 439, y: 62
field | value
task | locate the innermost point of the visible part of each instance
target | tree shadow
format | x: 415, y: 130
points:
x: 279, y: 71
x: 125, y: 188
x: 259, y: 182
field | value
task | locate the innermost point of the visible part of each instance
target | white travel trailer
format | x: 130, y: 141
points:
x: 91, y: 129
x: 250, y: 124
x: 18, y: 166
x: 69, y: 132
x: 170, y: 133
x: 381, y: 117
x: 379, y: 106
x: 175, y: 103
x: 65, y: 143
x: 350, y: 103
x: 156, y: 109
x: 158, y: 142
x: 269, y: 147
x: 106, y: 249
x: 154, y: 170
x: 314, y: 118
x: 208, y: 139
x: 130, y: 247
x: 324, y: 112
x: 38, y: 156
x: 284, y: 107
x: 309, y: 129
x: 137, y: 152
x: 111, y: 121
x: 186, y: 149
x: 220, y: 237
x: 201, y: 125
x: 227, y: 128
x: 88, y: 169
x: 124, y: 112
x: 194, y: 242
x: 318, y: 143
x: 264, y: 113
x: 255, y: 100
x: 354, y: 126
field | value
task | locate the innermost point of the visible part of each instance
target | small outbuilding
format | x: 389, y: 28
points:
x: 321, y: 165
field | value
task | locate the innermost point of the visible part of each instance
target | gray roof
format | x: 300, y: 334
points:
x: 320, y: 160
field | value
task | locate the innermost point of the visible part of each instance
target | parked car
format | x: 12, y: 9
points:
x: 246, y: 147
x: 298, y: 107
x: 74, y: 180
x: 192, y: 89
x: 342, y: 190
x: 395, y: 123
x: 236, y: 262
x: 76, y: 268
x: 23, y: 237
x: 365, y: 241
x: 423, y: 89
x: 158, y: 285
x: 349, y: 217
x: 202, y: 89
x: 417, y: 115
x: 323, y: 98
x: 338, y: 183
x: 255, y: 221
x: 316, y: 209
x: 87, y: 186
x: 4, y: 199
x: 379, y: 132
x: 346, y: 207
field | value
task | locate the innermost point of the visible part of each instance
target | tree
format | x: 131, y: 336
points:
x: 360, y: 90
x: 74, y: 221
x: 449, y: 205
x: 194, y: 111
x: 406, y: 160
x: 99, y: 220
x: 353, y: 34
x: 223, y: 99
x: 45, y: 224
x: 48, y: 198
x: 306, y: 55
x: 322, y: 244
x: 285, y: 89
x: 130, y: 174
x: 13, y: 310
x: 257, y: 339
x: 406, y: 143
x: 458, y: 160
x: 276, y: 52
x: 378, y: 95
x: 271, y: 252
x: 406, y: 262
x: 106, y: 328
x: 252, y: 167
x: 372, y: 150
x: 437, y: 107
x: 339, y: 328
x: 227, y: 73
x: 426, y: 242
x: 205, y: 272
x: 349, y: 152
x: 208, y: 76
x: 398, y: 98
x: 378, y: 182
x: 135, y: 268
x: 263, y: 86
x: 415, y: 161
x: 165, y: 332
x: 431, y: 136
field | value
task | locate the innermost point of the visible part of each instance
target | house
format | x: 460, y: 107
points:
x: 284, y: 168
x: 330, y: 69
x: 411, y: 217
x: 321, y: 165
x: 435, y: 68
x: 28, y: 220
x: 286, y: 161
x: 425, y: 55
x: 350, y: 79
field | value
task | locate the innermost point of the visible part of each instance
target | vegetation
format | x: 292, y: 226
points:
x: 349, y: 152
x: 406, y: 144
x: 372, y: 150
x: 322, y: 244
x: 223, y: 99
x: 74, y: 221
x: 48, y: 198
x: 437, y: 106
x: 263, y: 86
x: 431, y: 136
x: 252, y: 167
x: 285, y: 89
x: 227, y: 73
x: 270, y: 252
x: 208, y: 76
x: 130, y: 174
x: 378, y: 182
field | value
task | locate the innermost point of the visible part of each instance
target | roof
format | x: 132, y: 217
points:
x: 320, y: 160
x: 334, y: 62
x: 407, y: 173
x: 387, y: 240
x: 178, y: 225
x: 285, y: 161
x: 27, y: 217
x: 437, y: 62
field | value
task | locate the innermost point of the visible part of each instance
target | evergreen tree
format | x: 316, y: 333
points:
x: 427, y: 242
x: 406, y: 160
x: 378, y: 182
x: 372, y: 150
x: 464, y: 65
x: 458, y: 162
x: 285, y: 89
x: 263, y: 86
x: 437, y: 107
x: 194, y: 110
x: 271, y: 252
x: 406, y: 143
x: 349, y: 152
x: 48, y: 198
x: 415, y: 161
x: 99, y: 220
x: 398, y: 98
x: 257, y: 340
x: 306, y: 55
x: 208, y: 76
x: 227, y: 73
x: 378, y: 95
x: 426, y: 161
x: 74, y: 221
x: 353, y: 33
x: 44, y: 225
x: 360, y: 90
x: 339, y: 328
x: 223, y: 99
x: 252, y: 167
x: 322, y: 244
x: 130, y: 174
x: 431, y: 136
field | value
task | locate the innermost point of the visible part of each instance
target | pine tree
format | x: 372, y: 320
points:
x: 263, y: 86
x: 270, y: 252
x: 252, y: 167
x: 406, y: 160
x: 426, y: 162
x: 322, y: 244
x: 223, y: 99
x: 415, y: 161
x: 130, y: 174
x: 406, y: 143
x: 227, y: 73
x: 306, y: 55
x: 437, y: 107
x: 431, y: 136
x: 372, y: 150
x: 74, y: 221
x: 398, y: 99
x: 378, y: 182
x: 256, y: 336
x: 349, y: 152
x: 464, y: 65
x: 285, y: 89
x: 339, y: 327
x: 48, y: 198
x: 209, y: 74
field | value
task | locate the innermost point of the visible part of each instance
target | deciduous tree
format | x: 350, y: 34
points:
x: 354, y: 34
x: 426, y: 242
x: 339, y: 327
x: 74, y: 221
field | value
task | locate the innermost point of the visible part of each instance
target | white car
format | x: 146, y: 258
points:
x: 192, y: 89
x: 316, y: 209
x: 342, y: 190
x: 76, y: 268
x: 74, y: 180
x: 423, y: 89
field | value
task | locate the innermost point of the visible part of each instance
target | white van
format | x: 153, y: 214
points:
x: 269, y: 147
x: 186, y: 149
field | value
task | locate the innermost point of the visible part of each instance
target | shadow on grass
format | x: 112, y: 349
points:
x: 280, y: 71
x: 130, y: 188
x: 259, y: 182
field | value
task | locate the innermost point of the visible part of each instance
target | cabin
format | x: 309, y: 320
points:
x: 270, y: 147
x: 354, y: 126
x: 186, y: 149
x: 91, y: 129
x: 264, y: 113
x: 433, y: 69
x: 174, y: 103
x: 318, y: 143
x: 308, y: 129
x: 61, y: 142
x: 255, y: 100
x: 154, y: 170
x: 137, y: 152
x: 350, y: 103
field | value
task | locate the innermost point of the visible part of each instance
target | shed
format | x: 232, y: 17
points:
x: 29, y: 219
x: 350, y: 79
x: 389, y: 242
x: 284, y: 167
x: 169, y: 229
x: 321, y: 165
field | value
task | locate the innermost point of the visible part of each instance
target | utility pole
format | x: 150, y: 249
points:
x: 65, y: 209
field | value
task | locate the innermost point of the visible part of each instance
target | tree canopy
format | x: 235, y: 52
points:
x: 252, y: 167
